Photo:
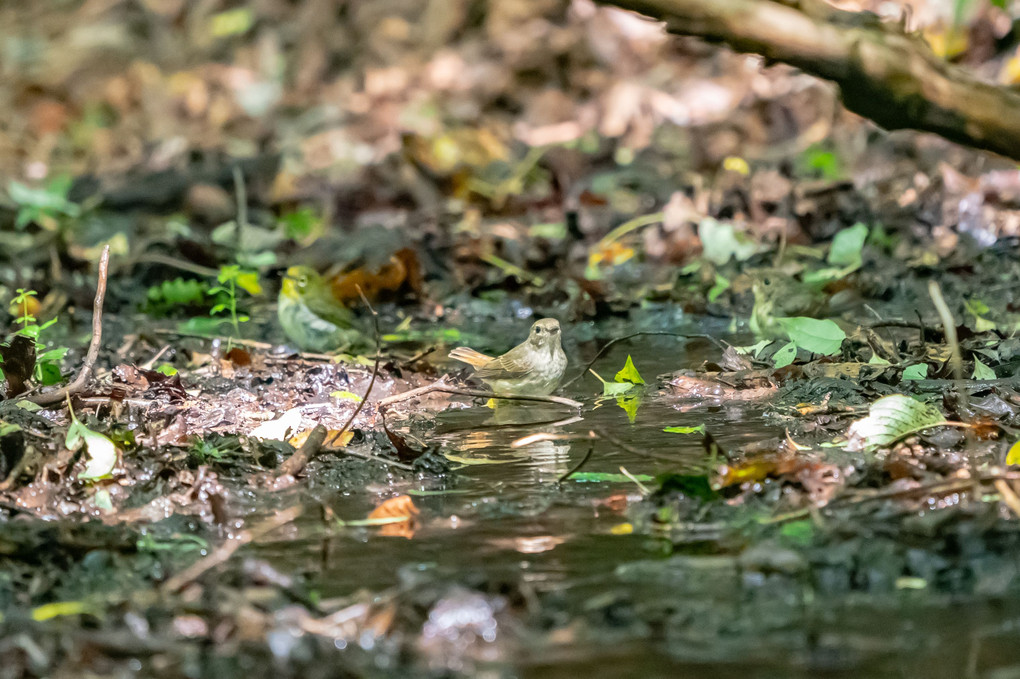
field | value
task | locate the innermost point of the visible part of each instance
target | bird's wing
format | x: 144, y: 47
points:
x: 470, y: 356
x: 509, y: 366
x: 335, y: 313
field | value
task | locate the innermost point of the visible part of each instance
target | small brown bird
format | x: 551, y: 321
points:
x: 532, y: 368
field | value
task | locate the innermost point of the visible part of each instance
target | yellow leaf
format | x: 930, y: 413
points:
x: 58, y: 609
x: 249, y: 282
x: 622, y: 529
x: 947, y: 41
x: 1010, y: 72
x: 735, y: 164
x: 1013, y: 456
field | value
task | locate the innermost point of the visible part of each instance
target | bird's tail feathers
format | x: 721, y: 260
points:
x: 470, y: 356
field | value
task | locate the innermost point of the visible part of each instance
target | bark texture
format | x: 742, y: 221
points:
x: 884, y: 74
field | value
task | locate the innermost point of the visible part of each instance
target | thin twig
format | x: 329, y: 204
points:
x: 505, y: 426
x: 417, y: 357
x: 174, y: 263
x: 441, y: 387
x: 375, y: 367
x: 611, y: 342
x: 293, y: 465
x: 948, y: 328
x: 577, y: 467
x: 92, y: 355
x: 227, y: 549
x: 602, y: 433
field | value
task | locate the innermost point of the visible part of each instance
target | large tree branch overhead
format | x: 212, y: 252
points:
x: 885, y: 75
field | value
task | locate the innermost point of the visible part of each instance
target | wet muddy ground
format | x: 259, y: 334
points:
x: 509, y: 565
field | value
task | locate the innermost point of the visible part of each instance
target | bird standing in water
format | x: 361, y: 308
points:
x: 532, y: 368
x: 309, y: 314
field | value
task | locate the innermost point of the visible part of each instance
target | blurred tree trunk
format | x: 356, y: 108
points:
x: 884, y: 74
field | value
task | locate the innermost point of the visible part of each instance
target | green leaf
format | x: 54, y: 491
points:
x: 976, y: 307
x: 821, y: 162
x: 52, y: 355
x: 166, y: 369
x: 300, y: 223
x: 799, y: 533
x: 629, y: 373
x: 786, y: 355
x: 249, y: 282
x: 231, y: 22
x: 753, y: 349
x: 100, y: 451
x: 890, y: 419
x: 848, y: 245
x: 47, y: 373
x: 7, y: 428
x: 720, y: 242
x: 616, y: 388
x: 178, y: 292
x: 721, y: 285
x: 918, y: 371
x: 982, y: 371
x: 819, y: 336
x: 700, y: 429
x: 201, y: 325
x: 50, y: 199
x: 227, y: 273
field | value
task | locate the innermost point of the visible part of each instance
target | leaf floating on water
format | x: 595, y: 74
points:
x: 477, y: 460
x: 629, y: 373
x: 890, y: 419
x: 616, y: 388
x: 613, y: 388
x: 700, y: 429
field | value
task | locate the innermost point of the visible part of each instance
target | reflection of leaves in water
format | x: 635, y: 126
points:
x: 700, y: 429
x: 470, y: 461
x: 606, y: 477
x: 630, y: 405
x: 695, y: 486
